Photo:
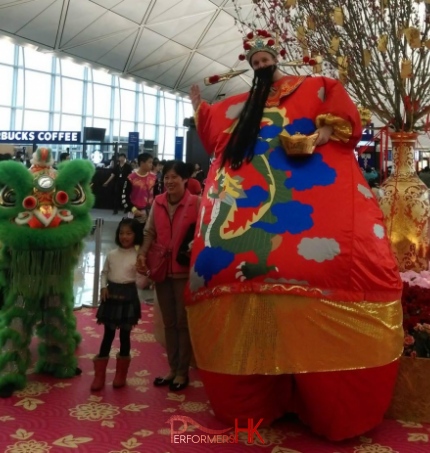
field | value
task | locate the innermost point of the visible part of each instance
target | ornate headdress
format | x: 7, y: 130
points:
x: 42, y: 157
x: 260, y: 41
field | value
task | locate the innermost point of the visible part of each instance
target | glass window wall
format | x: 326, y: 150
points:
x: 42, y: 92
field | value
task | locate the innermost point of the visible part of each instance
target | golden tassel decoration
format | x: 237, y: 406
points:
x: 413, y: 37
x: 338, y: 16
x: 310, y: 23
x: 317, y: 68
x: 365, y: 116
x: 290, y: 3
x: 406, y: 69
x: 301, y: 37
x: 367, y: 57
x: 382, y: 43
x: 334, y: 45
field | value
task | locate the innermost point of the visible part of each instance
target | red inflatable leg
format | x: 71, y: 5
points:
x: 344, y: 404
x: 244, y: 397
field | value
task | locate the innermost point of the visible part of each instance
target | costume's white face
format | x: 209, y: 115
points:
x: 262, y: 60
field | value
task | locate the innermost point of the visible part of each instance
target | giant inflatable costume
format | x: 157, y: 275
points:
x: 294, y: 298
x: 44, y: 216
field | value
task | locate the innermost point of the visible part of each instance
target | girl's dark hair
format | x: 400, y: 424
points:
x: 180, y: 168
x: 135, y: 226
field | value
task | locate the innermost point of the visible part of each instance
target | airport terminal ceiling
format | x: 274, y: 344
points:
x: 167, y: 43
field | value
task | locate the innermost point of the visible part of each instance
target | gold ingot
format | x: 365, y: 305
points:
x: 413, y: 36
x: 406, y: 69
x: 334, y: 45
x: 338, y: 16
x: 382, y: 43
x: 367, y: 57
x: 298, y: 144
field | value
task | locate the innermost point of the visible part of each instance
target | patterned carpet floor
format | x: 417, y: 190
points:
x: 63, y: 416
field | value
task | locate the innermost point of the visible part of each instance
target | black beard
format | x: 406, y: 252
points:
x: 265, y: 74
x: 245, y: 134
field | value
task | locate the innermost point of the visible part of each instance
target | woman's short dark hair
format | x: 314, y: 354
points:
x: 179, y: 167
x: 135, y: 226
x: 144, y: 157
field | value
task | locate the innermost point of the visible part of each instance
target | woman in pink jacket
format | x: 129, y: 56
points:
x: 171, y: 222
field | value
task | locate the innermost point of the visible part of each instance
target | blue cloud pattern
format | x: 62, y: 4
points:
x: 292, y: 216
x: 211, y: 261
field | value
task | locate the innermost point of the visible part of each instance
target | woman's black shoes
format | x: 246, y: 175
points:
x: 161, y: 382
x: 176, y: 386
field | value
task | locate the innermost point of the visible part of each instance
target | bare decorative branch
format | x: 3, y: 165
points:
x: 380, y: 50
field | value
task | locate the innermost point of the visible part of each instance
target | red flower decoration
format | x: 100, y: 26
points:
x: 61, y: 197
x: 306, y: 59
x: 29, y: 203
x: 283, y: 52
x: 312, y: 62
x: 411, y: 107
x: 250, y: 35
x: 247, y: 46
x: 242, y: 57
x: 271, y: 42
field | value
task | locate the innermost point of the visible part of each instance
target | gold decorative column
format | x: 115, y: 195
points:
x: 406, y: 207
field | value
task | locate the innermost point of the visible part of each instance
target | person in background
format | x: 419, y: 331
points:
x: 424, y: 175
x: 370, y: 173
x: 173, y: 215
x: 64, y: 157
x: 198, y: 174
x: 157, y: 169
x: 120, y: 306
x: 138, y: 193
x: 119, y: 175
x: 193, y: 185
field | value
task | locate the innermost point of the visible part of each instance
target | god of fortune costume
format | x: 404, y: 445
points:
x: 294, y: 298
x: 44, y: 216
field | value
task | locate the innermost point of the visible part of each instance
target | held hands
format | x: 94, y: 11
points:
x: 324, y: 134
x: 104, y: 294
x: 141, y: 265
x: 195, y: 96
x: 142, y: 214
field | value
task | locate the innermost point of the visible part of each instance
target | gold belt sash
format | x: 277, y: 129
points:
x: 244, y: 334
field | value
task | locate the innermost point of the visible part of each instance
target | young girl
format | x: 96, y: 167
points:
x: 120, y: 305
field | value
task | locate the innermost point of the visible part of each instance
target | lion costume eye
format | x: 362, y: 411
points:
x: 7, y: 197
x: 78, y: 196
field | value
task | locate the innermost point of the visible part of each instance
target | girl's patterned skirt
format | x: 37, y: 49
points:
x: 121, y: 310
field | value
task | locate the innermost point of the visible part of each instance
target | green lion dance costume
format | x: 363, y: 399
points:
x: 44, y: 216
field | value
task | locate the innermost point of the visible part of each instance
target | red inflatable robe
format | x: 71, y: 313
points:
x: 294, y: 296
